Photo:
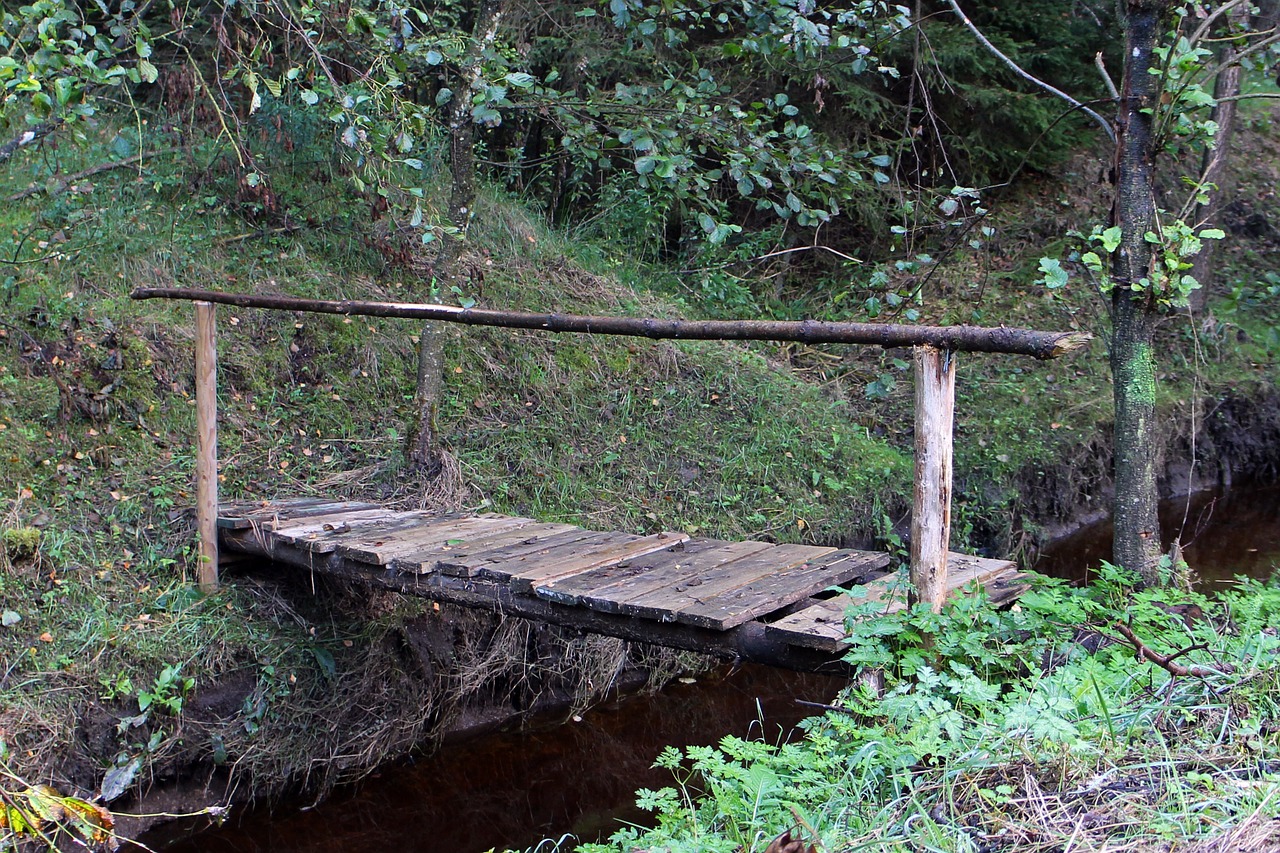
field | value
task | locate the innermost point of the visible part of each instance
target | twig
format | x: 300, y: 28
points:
x: 27, y: 137
x: 1106, y: 78
x: 1017, y: 69
x: 834, y: 708
x: 63, y: 183
x: 1166, y: 662
x: 251, y: 235
x: 814, y: 248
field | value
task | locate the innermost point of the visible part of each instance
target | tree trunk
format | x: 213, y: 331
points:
x: 424, y: 441
x: 1137, y: 527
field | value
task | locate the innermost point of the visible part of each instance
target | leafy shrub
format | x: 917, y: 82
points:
x: 1000, y: 728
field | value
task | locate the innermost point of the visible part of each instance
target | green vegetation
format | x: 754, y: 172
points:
x: 1027, y: 729
x: 170, y: 154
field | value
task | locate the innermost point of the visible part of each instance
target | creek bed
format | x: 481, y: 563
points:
x: 513, y: 789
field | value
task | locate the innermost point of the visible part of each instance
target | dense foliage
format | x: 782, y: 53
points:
x: 1012, y: 730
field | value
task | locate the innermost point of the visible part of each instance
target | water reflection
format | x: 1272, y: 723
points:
x: 1222, y: 536
x: 514, y: 789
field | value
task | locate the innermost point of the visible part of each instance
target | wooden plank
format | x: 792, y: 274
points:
x: 935, y: 373
x: 245, y: 514
x: 728, y: 610
x: 604, y: 589
x: 434, y: 559
x: 320, y: 533
x: 543, y: 558
x: 206, y: 446
x: 381, y: 547
x: 569, y: 590
x: 821, y: 626
x: 469, y: 565
x: 684, y: 591
x: 624, y: 551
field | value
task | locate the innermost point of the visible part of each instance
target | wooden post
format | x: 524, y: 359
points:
x: 207, y: 445
x: 935, y: 375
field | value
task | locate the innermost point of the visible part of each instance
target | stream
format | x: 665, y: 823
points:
x: 513, y: 789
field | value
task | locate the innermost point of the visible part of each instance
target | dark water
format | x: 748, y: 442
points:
x: 1222, y: 536
x: 514, y: 789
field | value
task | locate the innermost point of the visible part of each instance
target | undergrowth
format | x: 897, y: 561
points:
x: 1035, y: 728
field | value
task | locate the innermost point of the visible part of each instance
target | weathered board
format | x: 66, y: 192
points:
x: 469, y: 565
x: 604, y: 588
x: 268, y: 514
x: 687, y: 591
x: 822, y: 625
x: 632, y: 547
x: 381, y: 547
x: 451, y: 552
x: 773, y: 591
x: 701, y: 594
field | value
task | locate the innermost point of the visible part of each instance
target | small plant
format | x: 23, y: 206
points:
x: 167, y: 692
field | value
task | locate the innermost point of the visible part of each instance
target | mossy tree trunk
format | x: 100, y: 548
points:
x: 424, y: 449
x: 1134, y: 310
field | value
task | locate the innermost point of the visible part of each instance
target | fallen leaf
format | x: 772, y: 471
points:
x: 46, y: 637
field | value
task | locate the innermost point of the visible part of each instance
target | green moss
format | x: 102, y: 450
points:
x: 20, y: 542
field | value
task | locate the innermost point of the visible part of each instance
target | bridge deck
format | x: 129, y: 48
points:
x: 750, y: 599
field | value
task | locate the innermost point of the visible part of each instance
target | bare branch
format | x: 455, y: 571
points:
x: 1013, y: 66
x: 1166, y: 662
x: 1043, y: 345
x: 28, y: 136
x: 1106, y: 78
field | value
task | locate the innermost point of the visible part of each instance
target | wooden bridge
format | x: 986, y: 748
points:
x: 777, y: 604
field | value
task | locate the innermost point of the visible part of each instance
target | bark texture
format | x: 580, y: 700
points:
x: 1042, y: 345
x: 1137, y: 526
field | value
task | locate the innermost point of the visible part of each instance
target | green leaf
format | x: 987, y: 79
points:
x: 324, y: 659
x: 1053, y: 276
x: 645, y: 165
x: 521, y: 80
x: 1212, y: 234
x: 119, y: 778
x: 1111, y: 239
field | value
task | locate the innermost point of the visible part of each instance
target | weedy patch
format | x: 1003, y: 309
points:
x: 1027, y: 729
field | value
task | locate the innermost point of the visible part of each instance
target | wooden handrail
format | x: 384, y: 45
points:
x: 934, y: 349
x: 1043, y: 345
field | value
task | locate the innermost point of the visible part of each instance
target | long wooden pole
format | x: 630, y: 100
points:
x: 935, y: 374
x: 207, y: 445
x: 959, y: 338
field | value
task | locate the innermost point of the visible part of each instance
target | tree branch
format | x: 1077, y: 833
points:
x: 1166, y: 662
x: 28, y: 136
x: 63, y: 183
x: 1043, y: 345
x: 1013, y: 66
